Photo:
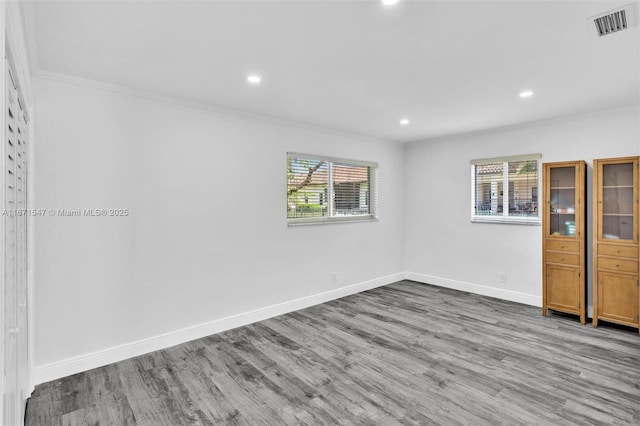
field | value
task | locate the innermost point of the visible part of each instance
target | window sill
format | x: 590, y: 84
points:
x: 509, y: 220
x: 332, y: 220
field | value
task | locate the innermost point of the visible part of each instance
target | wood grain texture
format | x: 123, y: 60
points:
x: 407, y: 353
x: 564, y: 256
x: 616, y: 287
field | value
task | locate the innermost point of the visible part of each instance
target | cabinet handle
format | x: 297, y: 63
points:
x: 562, y: 258
x: 617, y: 266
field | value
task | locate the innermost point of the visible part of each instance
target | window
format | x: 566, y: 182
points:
x: 505, y: 189
x: 322, y: 189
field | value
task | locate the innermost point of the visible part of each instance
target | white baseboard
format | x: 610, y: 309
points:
x: 55, y: 370
x: 513, y: 296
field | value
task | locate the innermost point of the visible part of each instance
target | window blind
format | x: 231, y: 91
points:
x: 324, y: 189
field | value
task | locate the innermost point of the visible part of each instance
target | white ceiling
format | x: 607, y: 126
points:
x: 354, y: 66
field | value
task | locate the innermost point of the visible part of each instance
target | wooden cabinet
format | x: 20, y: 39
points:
x: 563, y: 240
x: 616, y: 295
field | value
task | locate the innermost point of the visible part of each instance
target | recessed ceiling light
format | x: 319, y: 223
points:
x: 253, y: 78
x: 526, y: 94
x: 404, y: 122
x: 389, y: 2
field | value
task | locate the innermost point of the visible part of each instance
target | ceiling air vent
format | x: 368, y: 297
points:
x: 614, y: 21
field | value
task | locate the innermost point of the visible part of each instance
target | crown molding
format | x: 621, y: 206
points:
x: 523, y: 125
x: 183, y: 102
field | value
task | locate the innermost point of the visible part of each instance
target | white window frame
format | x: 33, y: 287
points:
x: 504, y: 217
x: 373, y: 192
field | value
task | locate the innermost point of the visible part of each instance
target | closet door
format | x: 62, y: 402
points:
x: 21, y: 128
x: 21, y: 258
x: 14, y: 300
x: 10, y: 302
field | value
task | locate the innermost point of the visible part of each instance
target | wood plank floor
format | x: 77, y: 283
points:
x: 407, y: 353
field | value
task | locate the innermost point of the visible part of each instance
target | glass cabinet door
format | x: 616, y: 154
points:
x: 617, y: 201
x: 562, y: 205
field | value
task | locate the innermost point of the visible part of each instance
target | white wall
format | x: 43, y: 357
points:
x: 442, y: 246
x: 207, y: 236
x: 196, y: 249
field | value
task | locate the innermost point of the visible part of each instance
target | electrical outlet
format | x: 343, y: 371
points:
x: 334, y: 277
x: 503, y: 277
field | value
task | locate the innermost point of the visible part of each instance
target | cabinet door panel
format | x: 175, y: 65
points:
x: 563, y: 288
x: 616, y: 195
x: 618, y: 297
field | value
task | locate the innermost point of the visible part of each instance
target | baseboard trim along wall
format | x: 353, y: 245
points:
x: 55, y: 370
x: 513, y: 296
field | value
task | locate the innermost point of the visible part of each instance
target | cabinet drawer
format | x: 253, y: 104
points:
x: 563, y: 258
x: 622, y: 265
x: 618, y: 250
x: 560, y: 245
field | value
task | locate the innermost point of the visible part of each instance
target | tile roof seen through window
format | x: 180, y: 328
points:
x: 341, y: 174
